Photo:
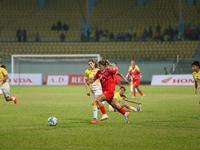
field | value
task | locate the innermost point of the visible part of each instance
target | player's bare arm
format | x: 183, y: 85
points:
x: 137, y: 77
x: 195, y: 87
x: 128, y: 100
x: 86, y: 86
x: 121, y: 75
x: 91, y: 81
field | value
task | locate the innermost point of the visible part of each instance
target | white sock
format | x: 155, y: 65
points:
x: 125, y: 115
x: 136, y: 90
x: 95, y: 111
x: 133, y: 108
x: 131, y: 88
x: 103, y: 102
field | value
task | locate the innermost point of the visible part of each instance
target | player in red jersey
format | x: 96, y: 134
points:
x: 135, y: 74
x: 106, y: 78
x: 116, y: 77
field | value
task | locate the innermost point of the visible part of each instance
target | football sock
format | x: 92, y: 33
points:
x: 119, y: 84
x: 12, y: 98
x: 136, y: 90
x: 103, y: 110
x: 121, y: 111
x: 134, y: 94
x: 95, y: 111
x: 141, y: 93
x: 103, y: 102
x: 132, y: 108
x: 131, y: 87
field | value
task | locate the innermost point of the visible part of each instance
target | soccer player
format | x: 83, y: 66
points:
x: 95, y: 87
x: 4, y: 86
x: 120, y: 96
x: 131, y: 83
x: 135, y: 74
x: 117, y: 78
x: 196, y: 75
x: 106, y: 78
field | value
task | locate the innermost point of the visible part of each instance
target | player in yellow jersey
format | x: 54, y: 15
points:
x: 131, y: 83
x: 95, y: 87
x: 120, y: 96
x: 196, y: 75
x: 4, y: 86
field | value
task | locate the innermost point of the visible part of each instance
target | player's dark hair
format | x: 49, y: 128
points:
x: 3, y: 66
x: 115, y: 63
x: 92, y: 60
x: 102, y: 62
x: 196, y: 63
x: 122, y: 87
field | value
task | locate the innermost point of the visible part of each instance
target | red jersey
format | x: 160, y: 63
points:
x: 106, y: 79
x: 134, y: 73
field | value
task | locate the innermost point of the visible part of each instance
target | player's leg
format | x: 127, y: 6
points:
x: 6, y: 91
x: 126, y: 107
x: 95, y: 109
x: 115, y: 105
x: 100, y: 99
x: 142, y: 95
x: 134, y: 92
x: 131, y: 87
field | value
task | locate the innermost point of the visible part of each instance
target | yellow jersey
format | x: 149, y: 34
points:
x: 119, y: 97
x: 89, y: 74
x: 3, y: 73
x: 196, y: 77
x: 136, y: 67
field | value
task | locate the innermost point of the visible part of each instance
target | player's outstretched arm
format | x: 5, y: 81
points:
x: 91, y: 81
x: 6, y: 77
x: 86, y: 86
x: 121, y: 75
x: 195, y: 87
x: 128, y: 100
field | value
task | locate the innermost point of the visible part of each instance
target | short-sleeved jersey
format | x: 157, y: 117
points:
x: 3, y: 73
x: 106, y: 79
x: 136, y: 67
x: 116, y: 68
x: 196, y: 77
x: 89, y: 74
x: 134, y: 73
x: 119, y: 97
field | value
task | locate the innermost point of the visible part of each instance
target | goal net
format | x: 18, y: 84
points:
x: 50, y: 64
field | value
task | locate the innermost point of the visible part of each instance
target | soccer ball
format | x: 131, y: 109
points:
x: 52, y: 121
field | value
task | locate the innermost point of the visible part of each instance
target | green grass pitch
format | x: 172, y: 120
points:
x: 168, y: 120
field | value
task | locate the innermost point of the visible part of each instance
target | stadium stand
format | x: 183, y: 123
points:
x: 109, y: 50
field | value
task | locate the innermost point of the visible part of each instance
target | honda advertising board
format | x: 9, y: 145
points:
x: 180, y: 79
x: 25, y: 79
x: 66, y: 79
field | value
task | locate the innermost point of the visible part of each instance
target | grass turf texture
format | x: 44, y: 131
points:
x: 168, y: 120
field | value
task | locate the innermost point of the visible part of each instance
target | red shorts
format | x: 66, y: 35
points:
x: 117, y: 78
x: 136, y: 82
x: 109, y: 95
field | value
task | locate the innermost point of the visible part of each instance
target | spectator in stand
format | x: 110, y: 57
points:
x: 88, y: 34
x: 135, y: 35
x: 105, y: 33
x: 170, y: 27
x: 65, y: 27
x: 176, y: 34
x: 53, y: 27
x: 166, y: 31
x: 59, y: 25
x: 118, y: 37
x: 140, y: 36
x: 171, y: 34
x: 19, y: 34
x: 158, y: 28
x: 101, y: 32
x: 123, y: 37
x: 150, y: 32
x: 82, y: 37
x: 91, y: 37
x: 97, y: 34
x: 130, y: 33
x: 144, y: 35
x: 24, y: 35
x: 165, y: 71
x: 37, y: 37
x: 62, y: 37
x: 111, y: 36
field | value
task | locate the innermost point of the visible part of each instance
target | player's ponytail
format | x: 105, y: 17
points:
x: 108, y: 64
x: 3, y: 66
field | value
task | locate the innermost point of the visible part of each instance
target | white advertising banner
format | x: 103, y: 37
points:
x: 25, y: 79
x: 180, y: 79
x: 57, y: 79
